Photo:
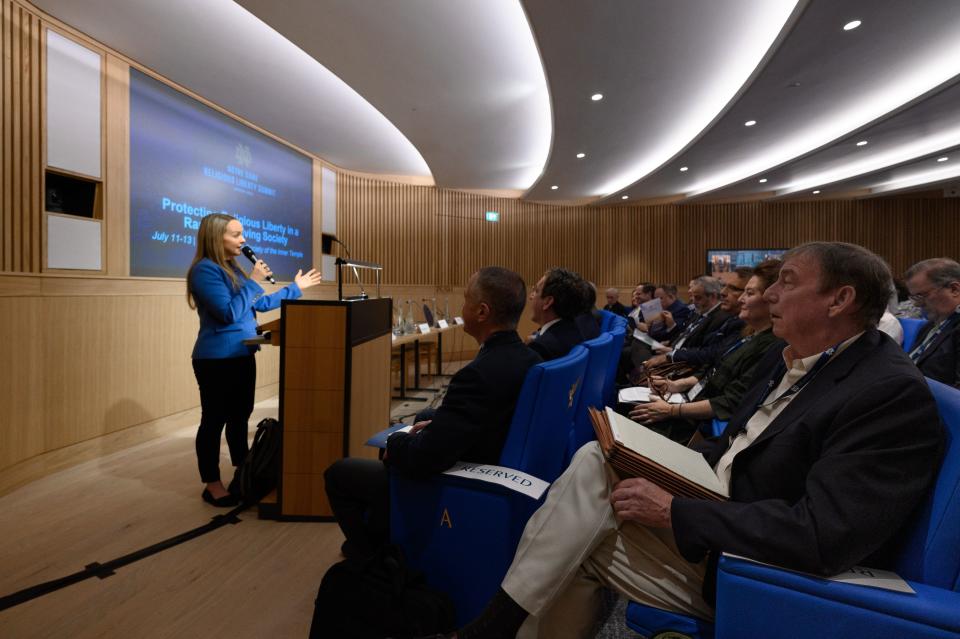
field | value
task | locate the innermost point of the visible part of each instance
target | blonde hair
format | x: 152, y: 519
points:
x: 210, y: 245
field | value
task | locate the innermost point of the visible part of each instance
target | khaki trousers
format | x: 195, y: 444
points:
x: 574, y: 545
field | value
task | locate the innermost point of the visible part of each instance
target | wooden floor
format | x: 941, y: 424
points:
x: 254, y: 579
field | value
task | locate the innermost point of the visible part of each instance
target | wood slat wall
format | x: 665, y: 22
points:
x: 21, y: 163
x: 433, y: 237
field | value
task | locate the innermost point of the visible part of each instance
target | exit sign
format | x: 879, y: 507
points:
x: 493, y: 216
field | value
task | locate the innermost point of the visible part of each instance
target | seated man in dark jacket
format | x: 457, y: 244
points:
x: 470, y: 425
x: 934, y: 287
x: 555, y: 303
x: 825, y: 459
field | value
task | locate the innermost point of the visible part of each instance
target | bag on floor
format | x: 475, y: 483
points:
x: 379, y: 597
x: 260, y: 471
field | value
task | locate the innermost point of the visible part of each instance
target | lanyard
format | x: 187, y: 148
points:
x: 824, y: 359
x: 713, y: 369
x: 932, y: 337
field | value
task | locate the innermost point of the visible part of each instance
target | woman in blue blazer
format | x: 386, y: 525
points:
x: 225, y: 299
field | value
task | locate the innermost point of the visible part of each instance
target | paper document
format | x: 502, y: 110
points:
x: 858, y: 576
x: 636, y: 394
x: 651, y: 310
x: 646, y: 339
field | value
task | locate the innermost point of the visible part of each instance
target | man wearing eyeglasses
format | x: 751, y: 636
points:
x: 718, y: 334
x: 934, y: 287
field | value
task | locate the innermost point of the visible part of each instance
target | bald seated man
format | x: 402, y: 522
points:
x: 613, y: 302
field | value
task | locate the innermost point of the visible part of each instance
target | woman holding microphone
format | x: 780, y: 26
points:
x: 225, y: 299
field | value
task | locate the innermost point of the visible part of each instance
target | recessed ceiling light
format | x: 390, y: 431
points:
x: 816, y: 192
x: 749, y: 123
x: 850, y: 26
x: 581, y: 155
x: 554, y: 187
x: 596, y: 97
x: 862, y: 143
x: 624, y: 197
x: 762, y: 180
x: 943, y: 159
x: 684, y: 168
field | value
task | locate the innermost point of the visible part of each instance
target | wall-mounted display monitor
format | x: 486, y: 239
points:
x: 727, y: 260
x: 188, y: 160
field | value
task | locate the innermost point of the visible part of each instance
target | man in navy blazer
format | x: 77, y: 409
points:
x: 556, y: 301
x: 825, y: 460
x: 470, y: 425
x: 934, y: 287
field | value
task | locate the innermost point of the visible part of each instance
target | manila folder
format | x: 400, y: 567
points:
x: 636, y: 451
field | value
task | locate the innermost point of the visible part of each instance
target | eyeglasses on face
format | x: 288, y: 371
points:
x: 919, y: 297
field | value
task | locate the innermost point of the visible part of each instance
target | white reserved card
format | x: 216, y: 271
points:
x: 858, y: 575
x: 442, y: 323
x: 516, y: 480
x: 424, y: 328
x: 458, y: 320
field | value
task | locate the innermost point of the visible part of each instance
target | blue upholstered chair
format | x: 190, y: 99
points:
x: 618, y: 333
x: 462, y: 532
x: 755, y: 600
x: 606, y: 323
x: 911, y: 327
x: 599, y: 352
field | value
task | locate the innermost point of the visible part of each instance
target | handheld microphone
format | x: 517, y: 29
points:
x: 246, y: 250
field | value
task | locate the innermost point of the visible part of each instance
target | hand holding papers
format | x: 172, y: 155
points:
x: 635, y: 451
x: 651, y: 310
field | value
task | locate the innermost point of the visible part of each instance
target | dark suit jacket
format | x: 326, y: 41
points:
x: 704, y: 330
x: 941, y: 360
x: 831, y: 482
x: 472, y: 422
x: 681, y: 315
x: 559, y: 339
x: 617, y: 308
x: 713, y: 345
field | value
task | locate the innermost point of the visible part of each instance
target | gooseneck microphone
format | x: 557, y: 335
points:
x: 246, y: 250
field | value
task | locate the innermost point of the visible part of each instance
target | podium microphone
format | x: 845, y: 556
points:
x: 246, y: 250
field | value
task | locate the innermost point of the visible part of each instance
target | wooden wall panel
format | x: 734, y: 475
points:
x: 433, y: 237
x: 21, y: 161
x: 81, y: 366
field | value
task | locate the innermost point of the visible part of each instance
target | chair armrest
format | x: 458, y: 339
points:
x: 758, y: 600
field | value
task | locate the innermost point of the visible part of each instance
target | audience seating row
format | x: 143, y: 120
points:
x: 759, y: 600
x: 462, y: 528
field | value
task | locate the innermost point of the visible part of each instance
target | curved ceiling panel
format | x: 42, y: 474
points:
x: 666, y: 70
x: 222, y: 52
x: 822, y: 85
x: 463, y: 80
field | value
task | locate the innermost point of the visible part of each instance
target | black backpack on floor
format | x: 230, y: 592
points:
x: 379, y: 597
x: 260, y: 471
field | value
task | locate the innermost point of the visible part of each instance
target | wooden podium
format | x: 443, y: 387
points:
x: 334, y: 394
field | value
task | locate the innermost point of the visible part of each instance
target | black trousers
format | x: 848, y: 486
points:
x: 359, y: 494
x: 226, y: 398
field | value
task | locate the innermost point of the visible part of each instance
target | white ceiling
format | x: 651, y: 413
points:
x: 495, y: 94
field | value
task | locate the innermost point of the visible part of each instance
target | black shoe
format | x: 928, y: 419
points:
x: 227, y: 501
x: 234, y: 487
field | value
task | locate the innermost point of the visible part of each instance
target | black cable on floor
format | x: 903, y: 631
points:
x: 104, y: 570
